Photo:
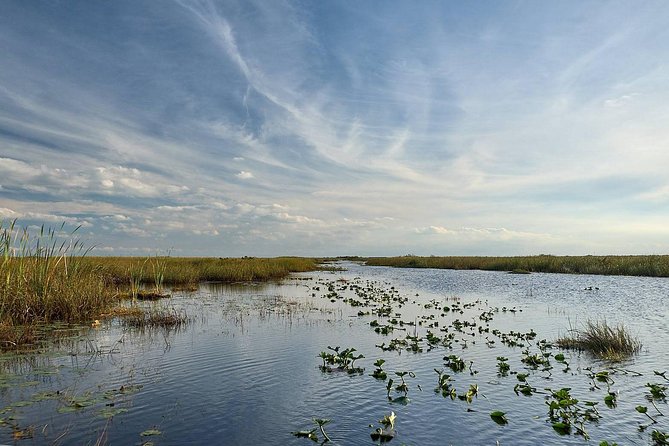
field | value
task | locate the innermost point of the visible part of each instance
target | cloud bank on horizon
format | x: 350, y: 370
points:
x: 232, y: 128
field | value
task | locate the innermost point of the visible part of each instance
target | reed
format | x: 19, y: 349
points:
x: 650, y: 265
x: 602, y: 340
x: 43, y: 278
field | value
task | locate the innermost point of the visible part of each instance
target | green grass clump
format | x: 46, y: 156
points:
x: 651, y: 266
x: 602, y: 340
x: 44, y: 279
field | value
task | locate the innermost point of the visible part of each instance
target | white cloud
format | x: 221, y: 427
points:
x: 284, y: 216
x: 480, y: 233
x: 8, y: 213
x: 244, y: 175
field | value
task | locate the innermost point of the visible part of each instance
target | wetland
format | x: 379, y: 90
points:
x: 357, y: 355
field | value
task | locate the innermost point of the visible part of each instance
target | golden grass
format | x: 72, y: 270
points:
x: 43, y: 279
x: 652, y: 266
x: 46, y: 277
x: 185, y: 271
x: 602, y: 340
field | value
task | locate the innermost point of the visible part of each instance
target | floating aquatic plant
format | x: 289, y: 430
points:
x: 499, y: 417
x: 402, y: 387
x: 455, y: 363
x: 379, y: 373
x: 343, y: 360
x: 659, y: 438
x: 657, y: 391
x: 444, y: 385
x: 320, y: 422
x: 503, y: 366
x: 471, y: 393
x: 565, y: 412
x: 387, y: 432
x: 311, y: 434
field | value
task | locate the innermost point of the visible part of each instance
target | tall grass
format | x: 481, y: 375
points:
x: 192, y: 270
x: 652, y: 265
x: 602, y: 340
x: 43, y: 278
x: 47, y: 276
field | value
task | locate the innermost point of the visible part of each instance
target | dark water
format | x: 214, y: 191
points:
x: 245, y: 370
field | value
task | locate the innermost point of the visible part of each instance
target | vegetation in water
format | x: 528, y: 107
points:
x: 340, y: 360
x: 448, y: 324
x: 602, y: 340
x: 153, y: 317
x: 311, y: 434
x: 386, y: 432
x: 48, y: 276
x: 43, y: 279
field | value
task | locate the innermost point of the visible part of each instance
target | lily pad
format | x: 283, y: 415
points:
x: 150, y: 432
x: 109, y: 412
x: 498, y: 417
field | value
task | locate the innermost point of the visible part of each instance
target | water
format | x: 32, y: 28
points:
x: 245, y: 370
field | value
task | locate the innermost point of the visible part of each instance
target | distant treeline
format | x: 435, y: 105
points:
x: 652, y: 265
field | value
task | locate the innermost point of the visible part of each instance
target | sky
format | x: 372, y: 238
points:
x: 327, y: 128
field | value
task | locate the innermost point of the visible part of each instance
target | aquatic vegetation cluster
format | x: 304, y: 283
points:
x: 602, y: 339
x: 343, y: 360
x: 451, y: 324
x: 153, y: 317
x: 105, y: 402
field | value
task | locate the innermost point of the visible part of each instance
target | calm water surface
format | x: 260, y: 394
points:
x: 245, y: 370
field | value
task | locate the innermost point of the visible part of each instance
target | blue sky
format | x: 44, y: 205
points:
x: 338, y: 128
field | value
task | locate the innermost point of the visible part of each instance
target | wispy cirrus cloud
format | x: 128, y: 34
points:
x: 287, y: 128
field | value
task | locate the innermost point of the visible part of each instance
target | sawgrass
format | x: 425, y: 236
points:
x: 647, y: 265
x: 602, y: 340
x: 46, y: 276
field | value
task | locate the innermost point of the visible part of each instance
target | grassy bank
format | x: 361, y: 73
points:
x: 191, y: 270
x: 652, y: 266
x: 47, y: 277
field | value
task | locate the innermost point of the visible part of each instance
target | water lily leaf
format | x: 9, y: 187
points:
x: 22, y: 403
x: 110, y: 412
x: 45, y: 396
x: 130, y: 389
x: 561, y: 428
x: 306, y: 434
x: 150, y: 432
x: 403, y: 400
x: 498, y: 417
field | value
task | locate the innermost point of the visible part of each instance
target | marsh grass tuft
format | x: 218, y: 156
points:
x: 156, y: 317
x: 602, y: 340
x: 44, y: 278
